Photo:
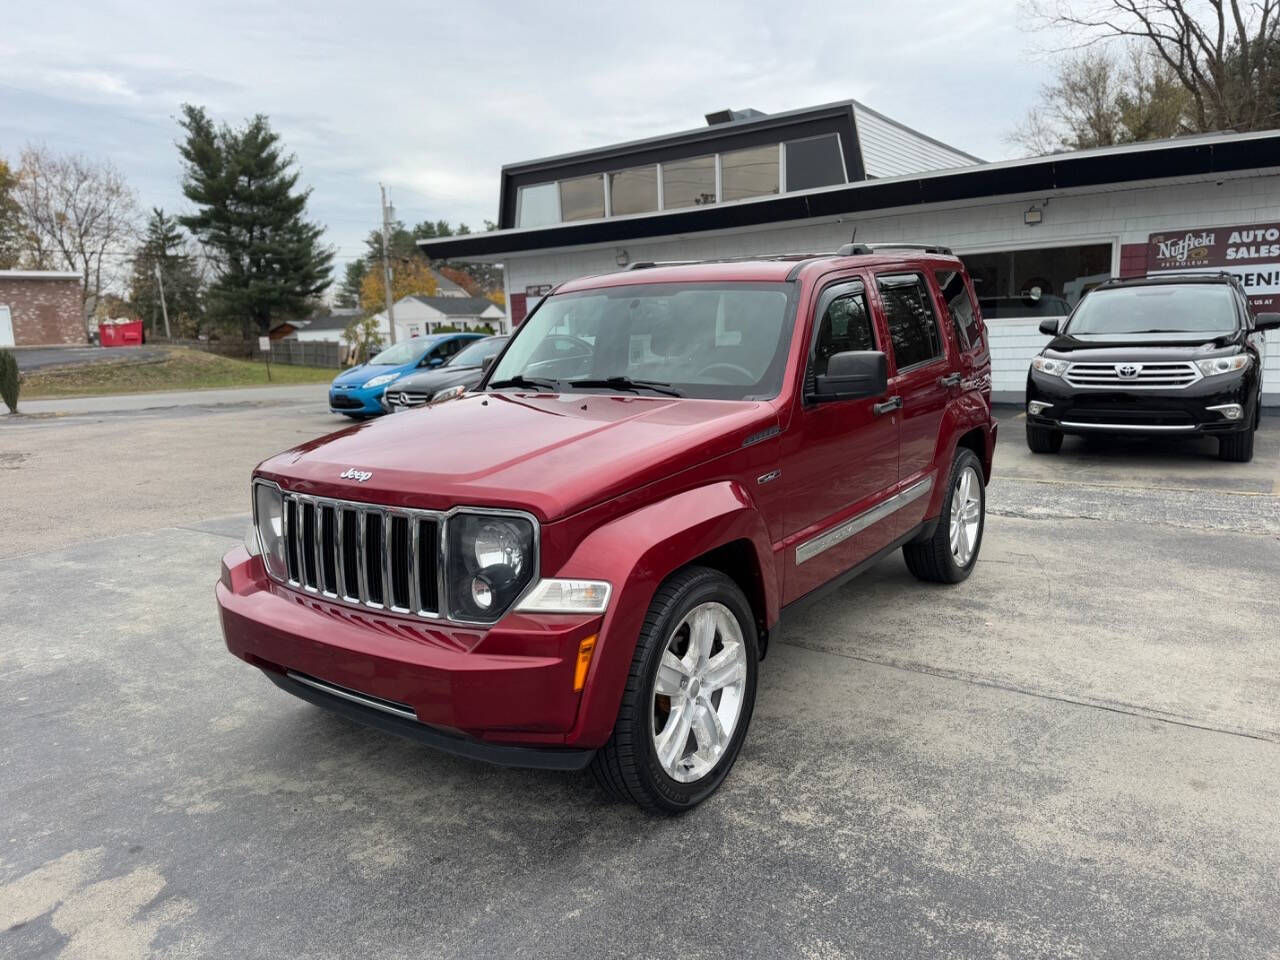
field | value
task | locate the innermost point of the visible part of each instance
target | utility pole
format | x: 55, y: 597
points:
x: 163, y: 307
x: 387, y: 213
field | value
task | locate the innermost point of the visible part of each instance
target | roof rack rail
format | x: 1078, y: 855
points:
x: 652, y: 264
x: 862, y: 249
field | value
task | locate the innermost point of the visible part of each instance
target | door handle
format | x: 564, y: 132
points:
x: 951, y: 380
x: 893, y: 403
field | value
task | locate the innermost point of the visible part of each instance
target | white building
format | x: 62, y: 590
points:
x: 809, y: 180
x: 416, y: 316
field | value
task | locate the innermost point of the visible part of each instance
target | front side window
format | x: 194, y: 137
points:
x: 913, y: 328
x: 718, y: 341
x: 1162, y: 308
x: 845, y: 325
x: 749, y: 173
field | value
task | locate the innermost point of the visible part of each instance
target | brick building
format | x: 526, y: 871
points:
x: 1036, y: 234
x: 39, y: 307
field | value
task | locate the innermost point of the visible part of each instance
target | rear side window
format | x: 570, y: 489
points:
x: 846, y: 325
x: 956, y: 296
x: 913, y: 328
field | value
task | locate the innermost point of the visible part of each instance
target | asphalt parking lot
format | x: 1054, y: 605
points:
x: 1075, y: 753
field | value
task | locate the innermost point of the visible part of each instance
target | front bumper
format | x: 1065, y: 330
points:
x: 502, y: 694
x: 1197, y: 409
x: 359, y: 401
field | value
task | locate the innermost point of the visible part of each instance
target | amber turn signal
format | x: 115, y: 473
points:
x: 585, y: 649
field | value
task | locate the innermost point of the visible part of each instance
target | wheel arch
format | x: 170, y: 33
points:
x: 716, y: 525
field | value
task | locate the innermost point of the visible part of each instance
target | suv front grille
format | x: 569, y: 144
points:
x: 1160, y: 375
x: 385, y: 558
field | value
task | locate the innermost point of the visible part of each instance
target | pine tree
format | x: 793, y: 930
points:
x: 268, y: 257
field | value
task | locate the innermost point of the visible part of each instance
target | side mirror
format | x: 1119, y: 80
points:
x: 433, y: 361
x: 487, y: 362
x: 853, y: 374
x: 1267, y: 321
x: 1049, y: 327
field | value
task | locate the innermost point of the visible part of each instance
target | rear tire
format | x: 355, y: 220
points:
x: 1236, y: 447
x: 1043, y: 439
x: 671, y: 674
x: 951, y: 551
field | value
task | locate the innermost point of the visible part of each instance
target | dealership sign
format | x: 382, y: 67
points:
x: 1251, y: 252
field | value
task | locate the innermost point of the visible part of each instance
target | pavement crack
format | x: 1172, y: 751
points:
x: 1111, y: 706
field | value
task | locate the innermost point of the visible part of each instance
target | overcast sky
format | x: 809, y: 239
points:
x: 433, y: 99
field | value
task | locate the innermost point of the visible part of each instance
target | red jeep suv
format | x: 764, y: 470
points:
x: 580, y: 563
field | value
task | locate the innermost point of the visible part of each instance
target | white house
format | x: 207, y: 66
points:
x: 418, y: 316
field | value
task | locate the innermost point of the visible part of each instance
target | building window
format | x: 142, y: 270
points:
x: 749, y: 173
x: 913, y: 328
x: 582, y: 198
x: 538, y: 205
x: 814, y: 162
x: 1047, y: 282
x: 633, y: 191
x: 688, y: 183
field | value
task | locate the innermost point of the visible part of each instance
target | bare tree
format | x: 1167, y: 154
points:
x: 78, y: 214
x: 1223, y: 52
x: 1099, y: 99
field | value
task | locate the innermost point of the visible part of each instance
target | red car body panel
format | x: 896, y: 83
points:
x: 626, y: 489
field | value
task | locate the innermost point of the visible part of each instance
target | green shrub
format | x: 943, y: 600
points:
x: 9, y: 380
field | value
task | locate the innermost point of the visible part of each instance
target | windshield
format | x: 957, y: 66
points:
x: 474, y: 355
x: 401, y: 353
x: 1159, y: 308
x: 721, y: 341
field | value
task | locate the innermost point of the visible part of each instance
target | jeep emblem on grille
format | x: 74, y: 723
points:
x: 1128, y: 371
x: 359, y: 476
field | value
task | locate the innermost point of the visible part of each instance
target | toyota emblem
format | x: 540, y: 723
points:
x: 1128, y: 371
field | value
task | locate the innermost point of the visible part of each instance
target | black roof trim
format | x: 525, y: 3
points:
x: 1141, y: 162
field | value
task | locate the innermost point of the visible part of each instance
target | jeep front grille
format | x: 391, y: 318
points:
x: 385, y: 558
x: 1159, y: 375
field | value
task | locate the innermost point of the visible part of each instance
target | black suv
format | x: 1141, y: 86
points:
x: 1168, y: 355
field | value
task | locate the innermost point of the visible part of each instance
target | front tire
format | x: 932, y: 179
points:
x: 1236, y: 447
x: 1043, y: 439
x: 689, y: 695
x: 951, y: 551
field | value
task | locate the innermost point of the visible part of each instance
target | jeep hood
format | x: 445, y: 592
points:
x: 551, y: 454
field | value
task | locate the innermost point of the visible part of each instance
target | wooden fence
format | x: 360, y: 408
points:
x: 306, y: 353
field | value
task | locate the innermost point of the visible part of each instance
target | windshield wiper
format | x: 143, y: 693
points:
x: 626, y: 383
x: 519, y: 380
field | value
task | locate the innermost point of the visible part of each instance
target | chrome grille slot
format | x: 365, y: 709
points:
x: 370, y: 556
x: 1149, y: 375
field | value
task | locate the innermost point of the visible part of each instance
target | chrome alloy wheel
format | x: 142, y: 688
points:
x: 697, y: 695
x: 966, y: 515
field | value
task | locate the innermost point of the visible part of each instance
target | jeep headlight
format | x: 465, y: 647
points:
x: 268, y: 519
x: 1216, y: 365
x: 1049, y: 366
x: 491, y: 562
x: 449, y: 393
x: 380, y: 379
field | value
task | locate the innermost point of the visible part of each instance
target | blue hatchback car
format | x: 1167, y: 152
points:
x: 357, y: 392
